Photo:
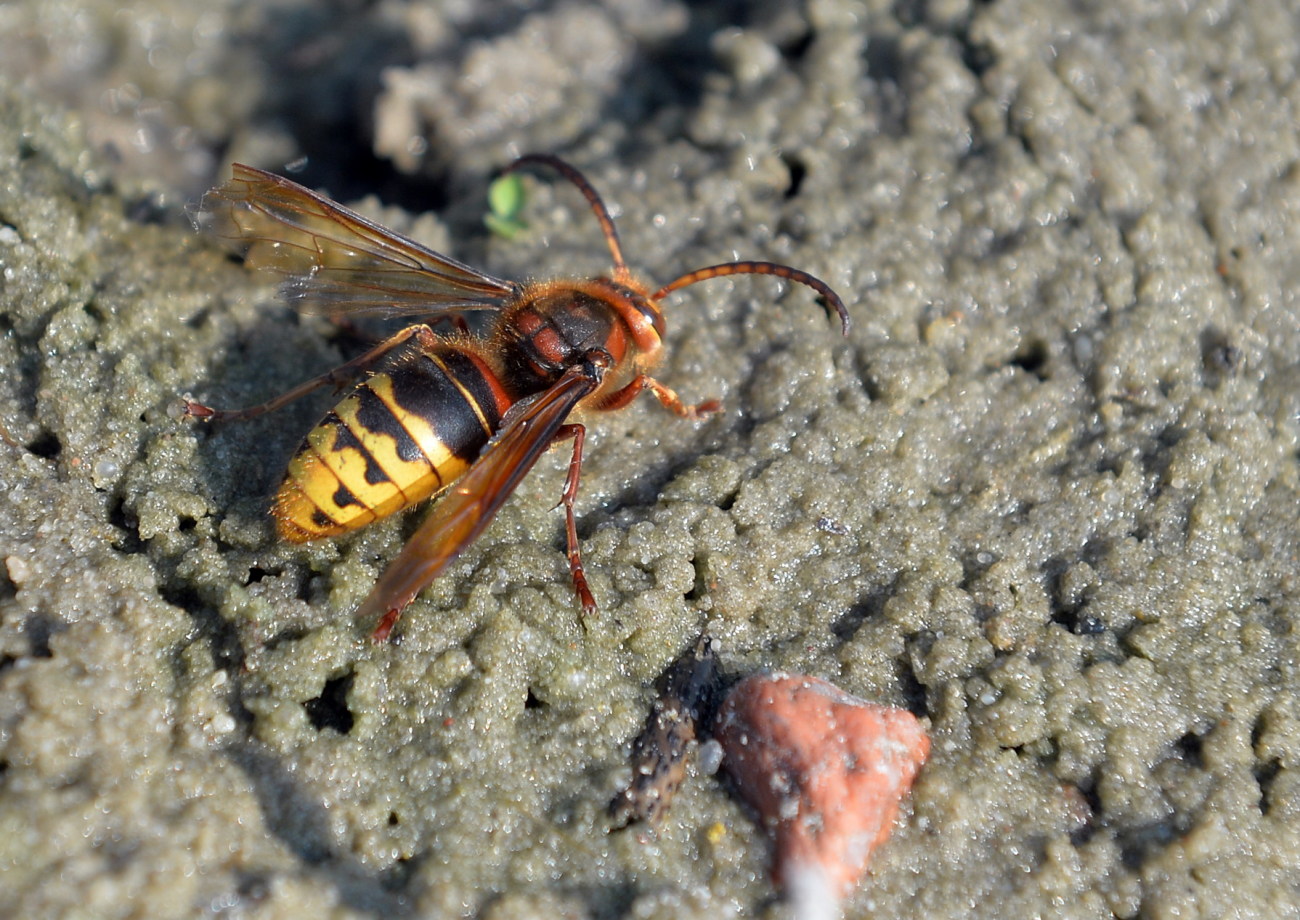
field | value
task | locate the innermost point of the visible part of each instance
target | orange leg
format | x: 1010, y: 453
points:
x: 338, y: 377
x: 385, y: 625
x: 579, y: 434
x: 671, y: 401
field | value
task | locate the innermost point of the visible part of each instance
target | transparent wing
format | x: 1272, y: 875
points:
x: 465, y: 510
x: 336, y: 260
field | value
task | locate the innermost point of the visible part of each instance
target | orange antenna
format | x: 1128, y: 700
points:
x: 621, y: 272
x: 831, y: 299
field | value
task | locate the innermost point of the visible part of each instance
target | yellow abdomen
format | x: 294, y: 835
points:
x: 401, y: 436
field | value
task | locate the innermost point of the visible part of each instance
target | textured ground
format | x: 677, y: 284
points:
x: 1046, y: 494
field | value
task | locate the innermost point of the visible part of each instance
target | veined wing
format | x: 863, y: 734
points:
x: 338, y: 261
x: 465, y: 511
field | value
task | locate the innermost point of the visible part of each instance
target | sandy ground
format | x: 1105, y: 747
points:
x: 1046, y: 494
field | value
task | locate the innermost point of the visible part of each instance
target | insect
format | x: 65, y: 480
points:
x: 450, y: 414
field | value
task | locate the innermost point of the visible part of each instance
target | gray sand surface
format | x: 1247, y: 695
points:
x: 1046, y: 494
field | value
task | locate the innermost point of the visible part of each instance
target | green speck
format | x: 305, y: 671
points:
x: 506, y: 200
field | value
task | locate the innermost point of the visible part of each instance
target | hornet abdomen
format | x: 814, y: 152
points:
x: 403, y: 434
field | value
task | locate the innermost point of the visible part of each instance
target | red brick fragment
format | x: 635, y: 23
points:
x: 825, y: 769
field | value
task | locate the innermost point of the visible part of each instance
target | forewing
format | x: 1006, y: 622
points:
x: 336, y: 260
x: 464, y: 511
